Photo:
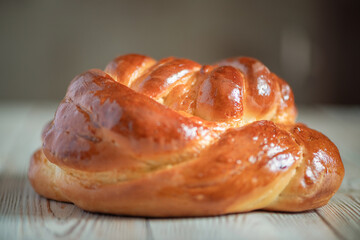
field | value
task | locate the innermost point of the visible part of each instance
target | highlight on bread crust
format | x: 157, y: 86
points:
x: 174, y: 138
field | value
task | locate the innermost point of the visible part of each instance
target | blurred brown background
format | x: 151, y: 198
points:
x: 314, y: 45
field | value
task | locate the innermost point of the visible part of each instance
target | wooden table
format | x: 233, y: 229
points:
x: 25, y: 215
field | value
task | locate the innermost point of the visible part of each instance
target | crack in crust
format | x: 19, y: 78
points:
x: 174, y: 138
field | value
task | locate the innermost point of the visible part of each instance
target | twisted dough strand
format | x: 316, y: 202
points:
x: 174, y: 138
x: 232, y: 90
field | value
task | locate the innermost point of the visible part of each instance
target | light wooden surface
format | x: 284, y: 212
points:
x: 25, y: 215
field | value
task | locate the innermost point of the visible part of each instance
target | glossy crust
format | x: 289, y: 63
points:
x: 174, y: 138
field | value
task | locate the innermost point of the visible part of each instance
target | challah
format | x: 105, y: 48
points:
x: 174, y: 138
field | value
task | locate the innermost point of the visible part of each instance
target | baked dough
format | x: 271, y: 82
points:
x: 174, y: 138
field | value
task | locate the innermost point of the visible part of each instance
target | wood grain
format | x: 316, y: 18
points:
x: 25, y: 215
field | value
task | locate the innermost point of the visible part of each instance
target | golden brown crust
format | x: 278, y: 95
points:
x: 173, y: 138
x: 317, y: 177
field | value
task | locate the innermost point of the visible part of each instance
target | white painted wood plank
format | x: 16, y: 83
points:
x: 343, y: 215
x: 351, y: 182
x: 12, y: 119
x: 14, y: 166
x: 254, y: 225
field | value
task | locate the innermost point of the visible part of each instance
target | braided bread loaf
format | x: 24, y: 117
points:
x: 174, y: 138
